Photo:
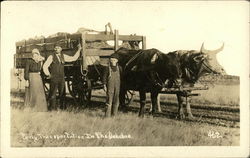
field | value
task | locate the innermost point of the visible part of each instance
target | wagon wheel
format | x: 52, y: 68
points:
x: 80, y: 90
x: 45, y: 86
x: 71, y: 88
x: 84, y: 94
x: 46, y: 90
x: 129, y: 97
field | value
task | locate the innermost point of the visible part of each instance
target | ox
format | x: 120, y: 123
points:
x: 147, y: 71
x: 195, y: 64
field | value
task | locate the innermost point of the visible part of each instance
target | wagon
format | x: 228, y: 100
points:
x: 85, y: 74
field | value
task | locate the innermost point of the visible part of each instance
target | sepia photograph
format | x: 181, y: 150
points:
x: 125, y: 79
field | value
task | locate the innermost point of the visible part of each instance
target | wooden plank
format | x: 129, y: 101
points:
x: 116, y: 40
x: 98, y: 37
x: 29, y: 55
x: 34, y: 41
x: 130, y: 38
x: 144, y: 42
x: 98, y: 52
x: 23, y: 55
x: 103, y: 37
x: 175, y: 90
x: 20, y: 63
x: 59, y: 38
x: 89, y: 52
x: 193, y: 94
x: 44, y: 47
x: 75, y: 36
x: 84, y: 63
x: 14, y: 60
x: 48, y: 40
x: 180, y: 93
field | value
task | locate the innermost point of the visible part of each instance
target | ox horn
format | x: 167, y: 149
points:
x: 211, y: 51
x: 218, y: 50
x: 203, y: 50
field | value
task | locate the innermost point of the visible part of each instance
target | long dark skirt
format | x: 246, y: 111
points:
x: 35, y: 94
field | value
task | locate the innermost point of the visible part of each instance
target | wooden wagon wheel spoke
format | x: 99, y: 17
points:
x: 83, y: 92
x: 87, y: 96
x: 71, y: 88
x: 131, y: 92
x: 87, y: 91
x: 46, y: 88
x: 129, y: 97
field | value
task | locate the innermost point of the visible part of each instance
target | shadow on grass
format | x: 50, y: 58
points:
x: 97, y: 104
x: 96, y: 108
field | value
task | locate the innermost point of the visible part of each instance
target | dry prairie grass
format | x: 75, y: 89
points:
x: 227, y: 95
x: 30, y: 128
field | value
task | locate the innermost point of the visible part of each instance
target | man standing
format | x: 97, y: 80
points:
x: 56, y: 74
x: 111, y: 80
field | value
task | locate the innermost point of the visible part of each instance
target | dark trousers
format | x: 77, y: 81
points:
x: 56, y: 84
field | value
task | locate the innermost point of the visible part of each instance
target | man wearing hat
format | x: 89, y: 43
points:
x: 56, y: 73
x: 111, y: 80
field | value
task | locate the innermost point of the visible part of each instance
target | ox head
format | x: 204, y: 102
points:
x: 208, y: 61
x: 171, y: 67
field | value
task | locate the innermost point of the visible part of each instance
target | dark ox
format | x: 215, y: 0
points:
x: 147, y: 71
x: 195, y: 64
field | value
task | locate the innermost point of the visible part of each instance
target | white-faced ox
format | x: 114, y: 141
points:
x: 195, y: 64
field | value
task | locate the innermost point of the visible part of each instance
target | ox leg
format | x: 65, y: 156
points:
x: 158, y: 105
x: 154, y: 101
x: 150, y: 109
x: 123, y: 107
x: 122, y: 100
x: 142, y: 102
x: 180, y: 109
x: 190, y: 115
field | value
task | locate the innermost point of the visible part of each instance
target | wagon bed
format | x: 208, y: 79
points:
x: 83, y: 75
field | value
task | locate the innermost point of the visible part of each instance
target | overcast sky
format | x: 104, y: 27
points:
x: 168, y: 26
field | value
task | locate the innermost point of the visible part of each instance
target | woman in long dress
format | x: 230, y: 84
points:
x: 35, y: 98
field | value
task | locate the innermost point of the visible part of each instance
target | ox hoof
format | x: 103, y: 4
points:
x: 141, y: 115
x: 190, y: 117
x: 152, y: 113
x: 181, y: 116
x: 150, y: 110
x: 124, y: 109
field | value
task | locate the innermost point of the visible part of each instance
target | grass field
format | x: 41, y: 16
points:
x: 220, y: 94
x: 88, y: 127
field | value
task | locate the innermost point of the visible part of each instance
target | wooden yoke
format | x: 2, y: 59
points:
x: 116, y: 40
x: 84, y: 69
